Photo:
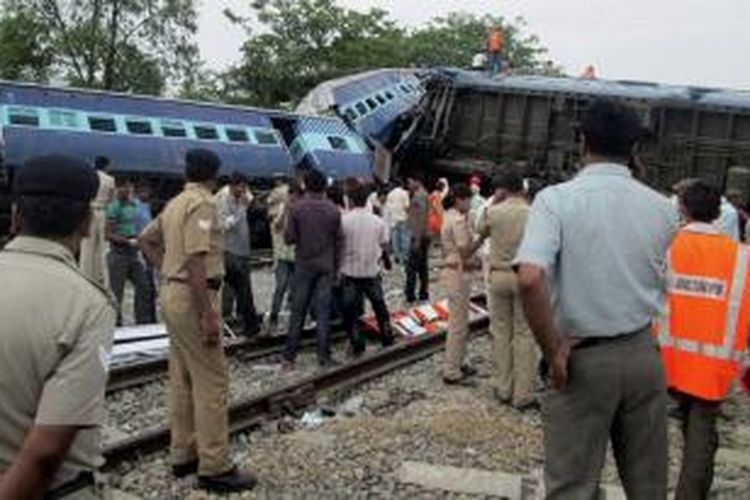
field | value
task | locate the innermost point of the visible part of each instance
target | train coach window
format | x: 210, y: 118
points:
x: 27, y: 117
x: 389, y: 95
x: 371, y: 102
x: 361, y: 108
x: 405, y: 89
x: 102, y: 124
x: 139, y: 127
x: 350, y: 114
x: 206, y: 132
x: 173, y: 129
x: 380, y: 99
x: 61, y: 118
x: 237, y: 135
x: 265, y: 138
x: 338, y: 143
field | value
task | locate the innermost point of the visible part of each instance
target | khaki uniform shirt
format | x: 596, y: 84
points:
x: 55, y: 338
x: 188, y: 225
x: 455, y: 234
x: 504, y: 225
x: 106, y: 190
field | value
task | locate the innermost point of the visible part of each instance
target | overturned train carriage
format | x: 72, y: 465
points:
x: 477, y: 122
x: 146, y: 138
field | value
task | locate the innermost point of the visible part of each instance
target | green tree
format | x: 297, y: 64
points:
x: 304, y: 42
x: 125, y: 45
x: 25, y: 53
x: 454, y: 39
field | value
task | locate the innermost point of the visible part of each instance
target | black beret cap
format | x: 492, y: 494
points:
x: 56, y: 175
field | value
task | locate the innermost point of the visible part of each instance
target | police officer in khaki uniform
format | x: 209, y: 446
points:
x: 459, y: 249
x: 185, y: 242
x: 94, y: 246
x: 55, y: 338
x: 515, y: 354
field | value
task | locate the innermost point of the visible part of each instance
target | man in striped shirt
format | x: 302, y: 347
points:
x: 365, y: 241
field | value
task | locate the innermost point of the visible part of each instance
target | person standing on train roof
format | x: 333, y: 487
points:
x: 123, y: 260
x: 419, y: 244
x: 608, y: 281
x: 495, y: 47
x: 459, y: 248
x: 55, y: 338
x: 314, y: 228
x: 186, y: 242
x: 94, y: 247
x: 233, y: 217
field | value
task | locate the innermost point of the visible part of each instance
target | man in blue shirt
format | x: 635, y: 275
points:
x: 608, y: 282
x: 123, y: 261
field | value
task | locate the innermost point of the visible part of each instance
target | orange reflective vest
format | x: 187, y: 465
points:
x: 703, y: 334
x: 497, y: 40
x: 435, y: 214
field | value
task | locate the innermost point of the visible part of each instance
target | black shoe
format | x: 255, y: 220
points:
x: 251, y: 332
x: 468, y: 371
x: 185, y: 469
x: 328, y: 363
x: 532, y: 405
x: 232, y: 481
x: 462, y: 381
x: 388, y: 341
x: 424, y: 297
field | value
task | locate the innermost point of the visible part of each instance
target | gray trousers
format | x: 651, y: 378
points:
x: 616, y: 391
x: 701, y: 442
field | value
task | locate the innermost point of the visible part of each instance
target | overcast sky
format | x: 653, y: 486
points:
x: 699, y: 42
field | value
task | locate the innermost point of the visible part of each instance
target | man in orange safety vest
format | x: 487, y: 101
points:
x: 495, y: 46
x: 703, y: 334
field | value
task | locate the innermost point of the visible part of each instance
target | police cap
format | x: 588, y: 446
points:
x: 56, y: 175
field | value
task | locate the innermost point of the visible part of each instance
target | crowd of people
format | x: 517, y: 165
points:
x: 619, y: 297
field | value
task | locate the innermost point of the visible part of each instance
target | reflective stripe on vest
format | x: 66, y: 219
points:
x: 726, y: 351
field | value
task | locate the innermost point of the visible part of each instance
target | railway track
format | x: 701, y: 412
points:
x: 249, y: 412
x: 129, y: 376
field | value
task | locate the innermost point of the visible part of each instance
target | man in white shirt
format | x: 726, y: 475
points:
x: 396, y: 214
x: 365, y: 241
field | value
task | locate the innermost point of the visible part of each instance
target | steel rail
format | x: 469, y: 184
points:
x: 132, y: 375
x: 249, y: 412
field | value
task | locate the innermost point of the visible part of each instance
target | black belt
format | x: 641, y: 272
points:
x: 587, y: 342
x: 213, y: 284
x: 81, y: 482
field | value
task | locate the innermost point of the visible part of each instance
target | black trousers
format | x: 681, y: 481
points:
x: 310, y: 288
x: 238, y: 279
x: 701, y: 442
x: 417, y: 266
x: 354, y: 290
x: 124, y: 264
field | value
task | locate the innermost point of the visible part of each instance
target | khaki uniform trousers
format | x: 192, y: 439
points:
x: 514, y: 352
x: 199, y: 386
x: 94, y: 249
x: 458, y: 286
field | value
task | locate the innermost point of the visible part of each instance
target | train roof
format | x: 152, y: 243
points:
x: 675, y: 94
x: 32, y: 94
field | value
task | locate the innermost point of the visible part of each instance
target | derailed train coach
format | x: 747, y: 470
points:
x: 477, y: 123
x: 146, y: 138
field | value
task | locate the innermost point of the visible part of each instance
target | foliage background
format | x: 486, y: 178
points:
x: 149, y: 46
